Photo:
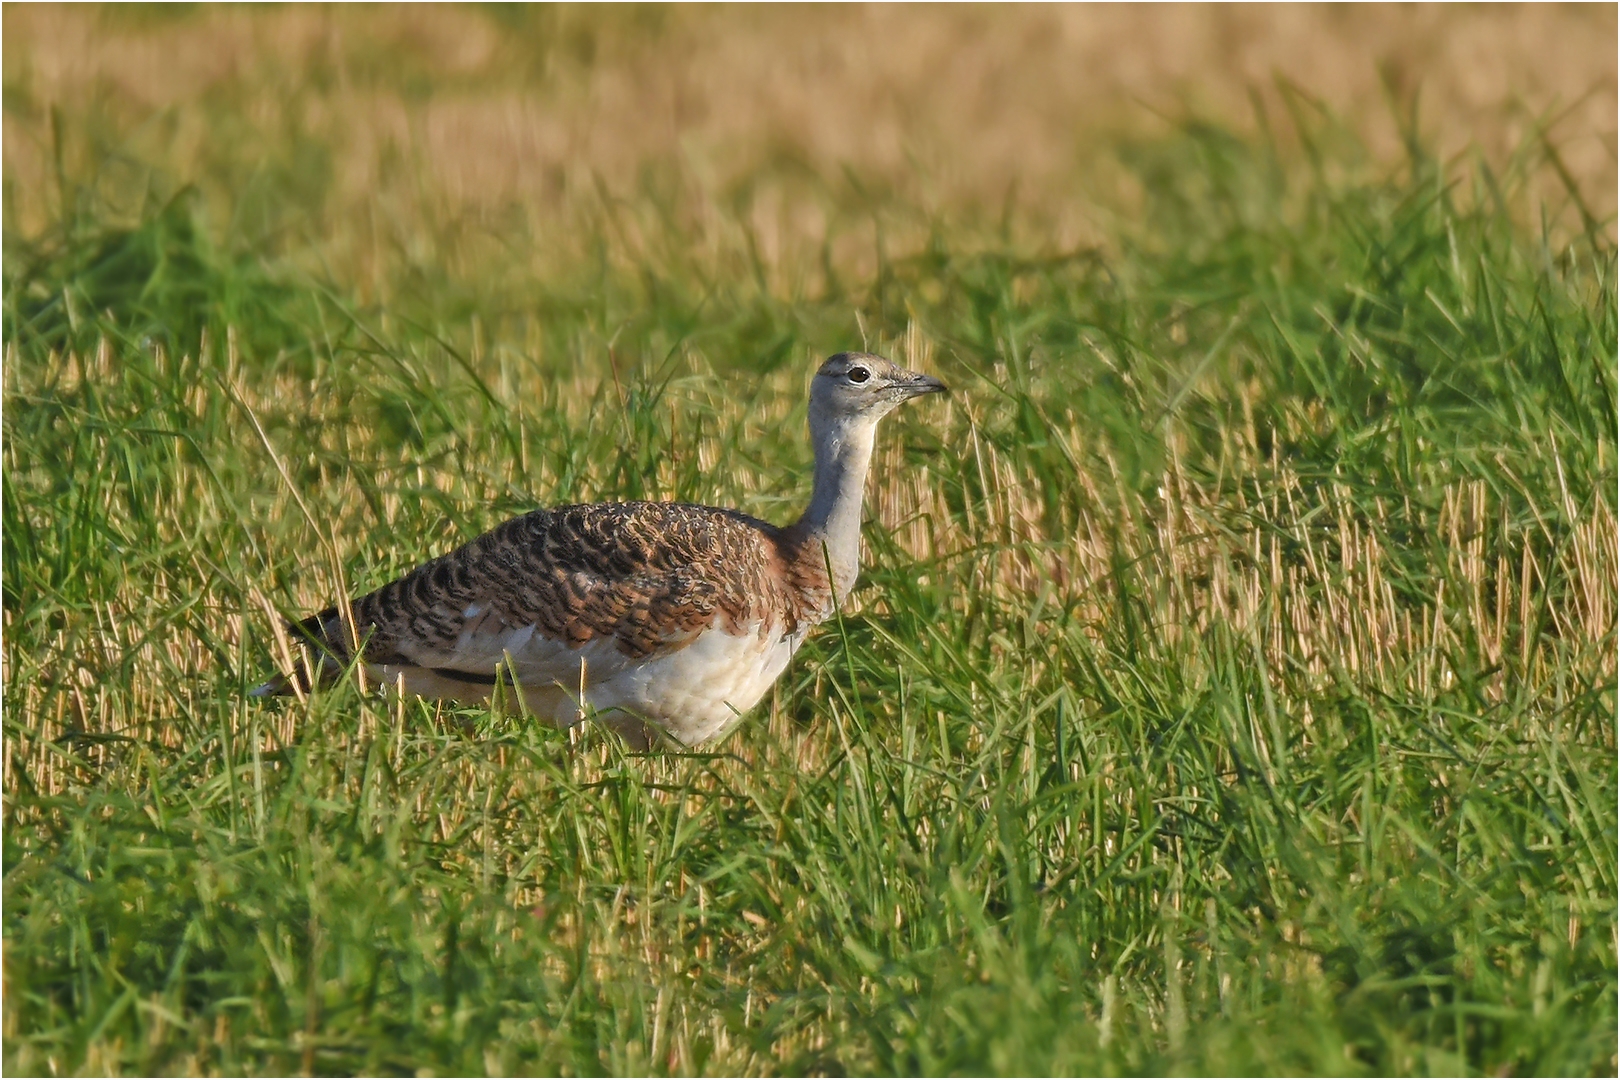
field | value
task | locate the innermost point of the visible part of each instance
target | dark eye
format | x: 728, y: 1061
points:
x: 859, y: 374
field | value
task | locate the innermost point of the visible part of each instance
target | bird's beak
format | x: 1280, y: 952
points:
x: 918, y: 384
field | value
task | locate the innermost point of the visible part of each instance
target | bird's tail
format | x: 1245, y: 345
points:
x: 324, y: 656
x: 279, y: 686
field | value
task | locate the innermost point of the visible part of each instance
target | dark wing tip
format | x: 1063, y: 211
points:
x: 316, y: 629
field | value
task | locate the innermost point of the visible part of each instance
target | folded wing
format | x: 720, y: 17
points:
x: 647, y: 578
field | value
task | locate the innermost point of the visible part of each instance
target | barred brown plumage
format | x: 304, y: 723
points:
x: 669, y: 614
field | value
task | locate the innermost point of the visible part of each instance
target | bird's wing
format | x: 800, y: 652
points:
x: 645, y: 577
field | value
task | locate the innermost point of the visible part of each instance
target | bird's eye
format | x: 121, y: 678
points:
x: 859, y: 374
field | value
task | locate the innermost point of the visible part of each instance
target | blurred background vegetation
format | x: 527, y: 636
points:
x: 417, y: 147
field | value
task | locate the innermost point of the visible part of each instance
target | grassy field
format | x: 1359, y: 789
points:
x: 1231, y: 687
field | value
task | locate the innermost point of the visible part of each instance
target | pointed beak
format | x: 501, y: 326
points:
x: 918, y: 384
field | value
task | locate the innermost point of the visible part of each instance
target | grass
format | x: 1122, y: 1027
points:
x: 1231, y: 687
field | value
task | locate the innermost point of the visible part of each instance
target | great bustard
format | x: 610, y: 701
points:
x: 668, y: 614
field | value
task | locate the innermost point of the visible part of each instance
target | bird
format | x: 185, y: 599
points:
x: 663, y: 620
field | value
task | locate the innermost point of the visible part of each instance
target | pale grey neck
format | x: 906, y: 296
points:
x: 843, y: 455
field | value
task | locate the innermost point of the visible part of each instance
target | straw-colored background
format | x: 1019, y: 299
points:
x: 947, y: 105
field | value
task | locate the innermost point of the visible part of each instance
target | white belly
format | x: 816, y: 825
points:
x: 693, y: 694
x: 698, y: 692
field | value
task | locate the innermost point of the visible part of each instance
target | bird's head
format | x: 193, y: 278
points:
x: 860, y: 387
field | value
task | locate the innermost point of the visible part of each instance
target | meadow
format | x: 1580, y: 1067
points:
x: 1231, y: 685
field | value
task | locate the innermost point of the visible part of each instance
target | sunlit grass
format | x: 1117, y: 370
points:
x: 1231, y: 687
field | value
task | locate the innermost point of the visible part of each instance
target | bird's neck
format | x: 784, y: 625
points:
x: 830, y: 529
